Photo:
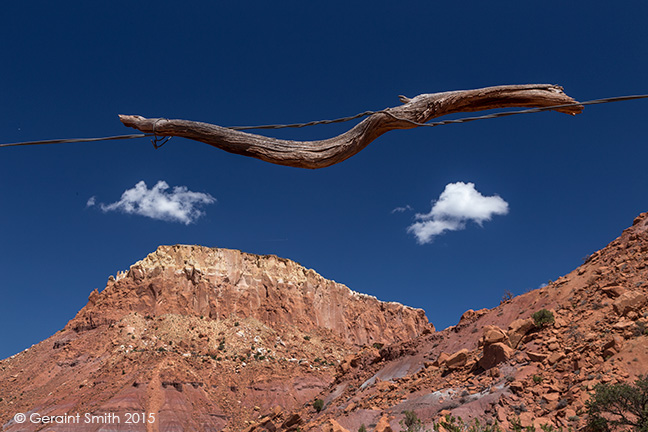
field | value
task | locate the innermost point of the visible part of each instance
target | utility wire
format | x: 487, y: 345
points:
x: 444, y: 122
x: 75, y: 140
x: 345, y: 119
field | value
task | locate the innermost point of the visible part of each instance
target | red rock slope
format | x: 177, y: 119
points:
x: 497, y: 365
x: 201, y: 339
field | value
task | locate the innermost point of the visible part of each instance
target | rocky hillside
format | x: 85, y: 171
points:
x: 211, y: 339
x: 497, y: 364
x: 201, y: 339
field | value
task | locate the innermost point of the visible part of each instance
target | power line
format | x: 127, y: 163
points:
x: 158, y: 143
x: 445, y: 122
x: 75, y: 140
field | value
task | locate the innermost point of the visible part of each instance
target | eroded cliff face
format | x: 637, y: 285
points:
x: 201, y: 339
x: 222, y: 283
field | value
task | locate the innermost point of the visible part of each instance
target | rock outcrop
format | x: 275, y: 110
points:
x: 202, y: 339
x: 221, y: 283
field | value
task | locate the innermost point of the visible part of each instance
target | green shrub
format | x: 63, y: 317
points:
x: 362, y: 428
x: 543, y: 317
x: 411, y: 422
x: 318, y: 405
x: 537, y: 379
x: 456, y: 424
x: 614, y: 406
x: 377, y: 345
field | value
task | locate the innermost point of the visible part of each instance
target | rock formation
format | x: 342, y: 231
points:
x: 535, y: 374
x: 220, y: 283
x: 202, y: 339
x: 210, y: 339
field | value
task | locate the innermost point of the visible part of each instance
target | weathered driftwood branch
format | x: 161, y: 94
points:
x: 324, y: 153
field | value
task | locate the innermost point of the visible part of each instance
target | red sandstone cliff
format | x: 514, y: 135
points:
x: 202, y: 339
x: 221, y: 283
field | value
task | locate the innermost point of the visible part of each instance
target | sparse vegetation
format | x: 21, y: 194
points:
x: 619, y: 406
x: 378, y: 345
x: 537, y: 379
x: 519, y: 409
x: 543, y: 317
x: 306, y: 337
x: 457, y: 424
x: 508, y: 295
x: 318, y: 405
x: 640, y: 329
x: 411, y: 422
x: 362, y: 428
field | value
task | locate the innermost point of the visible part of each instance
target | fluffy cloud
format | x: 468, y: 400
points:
x: 178, y: 205
x: 458, y: 203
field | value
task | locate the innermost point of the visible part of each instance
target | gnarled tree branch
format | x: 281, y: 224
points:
x: 324, y: 153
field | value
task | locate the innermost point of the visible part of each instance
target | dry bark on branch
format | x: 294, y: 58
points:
x: 324, y: 153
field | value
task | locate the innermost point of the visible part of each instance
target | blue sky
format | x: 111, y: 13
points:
x: 571, y: 184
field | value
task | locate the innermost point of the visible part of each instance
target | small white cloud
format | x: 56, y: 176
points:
x: 458, y: 203
x: 402, y: 209
x: 178, y: 205
x: 92, y: 201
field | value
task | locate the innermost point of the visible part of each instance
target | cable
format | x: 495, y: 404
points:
x: 75, y: 140
x: 157, y: 143
x: 444, y: 122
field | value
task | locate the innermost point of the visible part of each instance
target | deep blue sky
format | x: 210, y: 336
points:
x: 572, y: 183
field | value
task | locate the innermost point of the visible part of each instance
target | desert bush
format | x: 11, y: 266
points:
x: 619, y: 406
x: 457, y: 424
x: 640, y: 329
x: 318, y: 405
x: 543, y: 317
x: 411, y: 422
x: 362, y: 428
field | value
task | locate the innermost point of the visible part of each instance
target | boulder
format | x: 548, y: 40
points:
x: 494, y: 354
x: 333, y: 426
x: 613, y: 342
x: 518, y: 329
x: 536, y: 357
x: 516, y: 386
x: 613, y: 291
x: 457, y: 360
x: 443, y: 357
x: 383, y: 425
x: 629, y: 301
x: 492, y: 334
x: 293, y: 419
x: 555, y: 357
